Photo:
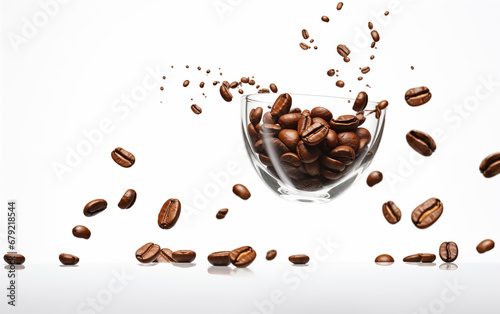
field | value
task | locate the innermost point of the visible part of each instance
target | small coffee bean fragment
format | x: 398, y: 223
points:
x: 448, y: 251
x: 81, y: 232
x: 391, y: 212
x: 68, y: 259
x: 421, y: 142
x: 221, y: 213
x: 123, y: 157
x: 185, y: 83
x: 370, y: 25
x: 263, y: 91
x: 234, y: 84
x: 242, y: 256
x: 417, y: 96
x: 384, y: 258
x: 340, y: 83
x: 14, y: 259
x: 427, y: 213
x: 490, y: 166
x: 94, y: 207
x: 128, y: 199
x: 184, y: 256
x: 330, y: 72
x: 386, y: 13
x: 325, y: 19
x: 271, y: 254
x: 299, y: 259
x: 196, y: 109
x: 219, y: 258
x: 241, y: 191
x: 485, y: 246
x: 347, y: 59
x: 374, y: 178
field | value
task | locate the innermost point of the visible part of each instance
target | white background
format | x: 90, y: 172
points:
x: 70, y: 74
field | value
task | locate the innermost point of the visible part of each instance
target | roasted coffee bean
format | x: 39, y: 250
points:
x: 490, y: 166
x: 307, y: 153
x: 263, y: 91
x: 290, y: 160
x: 295, y: 110
x: 372, y: 45
x: 196, y: 109
x: 364, y: 71
x: 314, y: 134
x: 241, y: 191
x: 202, y: 84
x: 384, y: 258
x: 330, y: 174
x: 364, y: 133
x: 361, y: 117
x: 375, y: 36
x: 360, y: 102
x: 265, y: 160
x: 243, y: 256
x: 346, y: 59
x: 186, y: 83
x: 169, y: 213
x: 234, y: 84
x: 330, y: 72
x: 128, y: 199
x: 274, y: 146
x: 343, y: 50
x: 123, y: 157
x: 94, y: 207
x: 215, y: 83
x: 310, y: 184
x: 349, y: 139
x: 340, y: 83
x: 290, y: 138
x: 225, y: 93
x: 383, y: 104
x: 14, y: 259
x: 305, y: 34
x: 271, y: 129
x: 485, y: 246
x: 68, y: 259
x: 258, y: 128
x: 282, y: 105
x: 332, y: 164
x: 226, y: 84
x: 321, y: 121
x: 375, y: 177
x: 289, y: 120
x: 221, y: 213
x: 427, y: 213
x: 273, y: 88
x: 259, y: 147
x: 306, y: 112
x: 325, y: 19
x: 322, y: 113
x: 268, y: 118
x: 299, y: 259
x: 304, y: 122
x: 271, y: 254
x: 344, y: 154
x: 165, y: 256
x: 251, y: 82
x: 219, y: 258
x: 417, y: 96
x: 81, y: 232
x: 313, y: 168
x: 184, y: 256
x: 391, y: 212
x: 339, y: 6
x: 240, y: 91
x: 252, y: 133
x: 421, y: 142
x: 370, y: 25
x: 331, y: 141
x: 362, y: 145
x: 345, y: 123
x: 245, y: 80
x: 448, y: 251
x: 420, y: 258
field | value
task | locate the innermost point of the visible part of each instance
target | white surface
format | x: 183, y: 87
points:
x: 72, y: 74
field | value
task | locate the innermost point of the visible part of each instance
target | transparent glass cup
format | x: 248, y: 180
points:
x: 301, y: 184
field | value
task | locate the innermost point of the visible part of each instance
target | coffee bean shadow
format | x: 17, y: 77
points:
x: 421, y: 264
x: 300, y: 265
x: 384, y: 263
x: 68, y: 266
x: 219, y: 270
x: 16, y: 267
x: 242, y: 272
x: 147, y: 264
x: 184, y: 265
x: 448, y: 266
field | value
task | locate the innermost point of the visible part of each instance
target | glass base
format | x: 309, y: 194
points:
x: 298, y: 196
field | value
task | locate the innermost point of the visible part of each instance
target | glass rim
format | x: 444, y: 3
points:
x: 252, y: 97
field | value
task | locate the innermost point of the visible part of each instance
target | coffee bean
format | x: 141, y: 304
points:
x: 383, y: 104
x: 375, y: 36
x: 240, y: 91
x: 225, y: 93
x: 169, y: 213
x: 340, y: 83
x: 386, y: 13
x: 252, y: 133
x: 282, y: 105
x: 365, y: 70
x: 339, y: 6
x: 94, y: 207
x: 304, y: 122
x: 360, y: 102
x: 304, y: 46
x: 219, y: 258
x: 305, y: 34
x: 384, y: 258
x: 370, y: 25
x: 234, y: 84
x: 273, y: 88
x: 290, y: 138
x: 321, y: 112
x: 184, y: 256
x: 374, y: 178
x: 251, y: 82
x: 272, y: 144
x: 490, y: 166
x: 485, y: 246
x: 310, y: 184
x: 165, y: 256
x: 391, y: 212
x: 148, y: 252
x: 417, y: 96
x: 68, y: 259
x: 196, y: 109
x: 243, y: 256
x: 349, y: 139
x: 202, y: 84
x: 344, y: 154
x: 314, y: 134
x: 325, y: 19
x: 14, y: 259
x: 345, y: 123
x: 427, y: 213
x: 295, y: 110
x: 448, y: 251
x: 362, y: 145
x: 271, y: 129
x: 307, y: 153
x: 299, y: 259
x: 364, y: 134
x: 343, y: 50
x: 289, y: 120
x: 216, y: 82
x: 331, y: 174
x: 241, y: 191
x: 81, y: 232
x: 255, y: 115
x: 271, y: 254
x: 313, y: 168
x: 420, y: 258
x: 330, y: 141
x: 221, y: 213
x: 372, y: 45
x: 122, y: 157
x: 186, y: 83
x: 421, y: 142
x: 378, y: 112
x: 332, y: 164
x: 265, y: 160
x: 372, y: 57
x: 128, y: 199
x: 245, y: 80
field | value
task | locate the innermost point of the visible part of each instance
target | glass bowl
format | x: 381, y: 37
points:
x: 291, y: 152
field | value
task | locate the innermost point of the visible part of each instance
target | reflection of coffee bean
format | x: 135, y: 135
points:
x: 68, y: 259
x: 219, y: 258
x: 375, y: 177
x: 299, y: 259
x: 448, y: 251
x: 490, y: 166
x: 221, y: 214
x: 391, y: 212
x: 485, y: 246
x: 271, y: 255
x: 417, y: 96
x: 128, y: 199
x: 421, y: 142
x: 169, y: 213
x: 241, y: 191
x: 243, y: 256
x: 427, y: 213
x: 123, y: 157
x: 94, y: 207
x: 81, y: 232
x: 384, y: 258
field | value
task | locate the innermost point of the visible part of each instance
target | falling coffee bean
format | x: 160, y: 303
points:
x: 14, y: 259
x: 330, y: 72
x: 417, y: 96
x: 391, y: 212
x: 273, y: 88
x: 128, y: 199
x: 245, y: 80
x: 81, y: 232
x: 219, y: 258
x: 340, y: 83
x: 305, y: 34
x: 94, y: 207
x: 490, y: 166
x: 241, y: 191
x: 325, y: 19
x: 123, y: 157
x: 196, y: 109
x: 427, y: 213
x: 165, y: 256
x: 448, y: 251
x: 360, y: 102
x: 343, y: 51
x: 184, y: 256
x: 370, y: 25
x: 263, y: 91
x: 421, y: 142
x: 147, y: 253
x: 485, y: 246
x: 68, y: 259
x: 383, y: 104
x: 375, y: 36
x: 221, y: 213
x: 299, y: 259
x: 234, y: 84
x: 384, y: 258
x: 256, y: 115
x: 304, y: 46
x: 339, y: 6
x: 271, y: 254
x: 169, y: 213
x: 375, y: 177
x: 365, y: 70
x: 225, y: 93
x: 420, y: 258
x: 186, y: 83
x: 242, y: 256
